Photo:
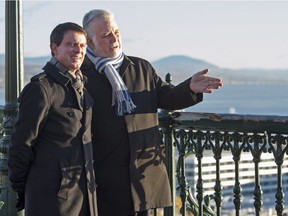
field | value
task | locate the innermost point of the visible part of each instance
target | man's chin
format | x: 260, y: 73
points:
x: 75, y: 67
x: 115, y: 53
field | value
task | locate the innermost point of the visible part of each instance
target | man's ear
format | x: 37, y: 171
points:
x: 53, y: 48
x: 90, y: 43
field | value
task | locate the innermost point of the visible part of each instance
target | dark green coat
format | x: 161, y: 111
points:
x: 147, y: 176
x: 51, y: 151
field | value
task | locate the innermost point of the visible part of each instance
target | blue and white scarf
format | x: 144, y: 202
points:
x: 120, y: 93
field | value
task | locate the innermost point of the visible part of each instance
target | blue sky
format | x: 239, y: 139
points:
x: 230, y: 34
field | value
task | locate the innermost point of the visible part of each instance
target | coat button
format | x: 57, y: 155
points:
x: 71, y: 114
x: 86, y: 163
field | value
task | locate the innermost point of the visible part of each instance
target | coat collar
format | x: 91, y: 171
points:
x: 64, y: 80
x: 54, y: 72
x: 126, y: 62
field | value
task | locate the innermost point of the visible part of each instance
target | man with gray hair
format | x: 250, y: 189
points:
x: 129, y: 153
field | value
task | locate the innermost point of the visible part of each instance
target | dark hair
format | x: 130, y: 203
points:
x: 58, y: 32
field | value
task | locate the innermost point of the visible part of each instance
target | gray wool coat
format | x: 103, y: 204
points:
x: 51, y: 155
x: 147, y: 175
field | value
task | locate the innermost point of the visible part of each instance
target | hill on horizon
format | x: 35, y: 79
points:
x: 180, y: 67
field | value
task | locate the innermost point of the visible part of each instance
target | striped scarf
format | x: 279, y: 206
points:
x: 120, y: 94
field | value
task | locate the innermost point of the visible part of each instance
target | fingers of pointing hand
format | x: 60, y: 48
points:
x: 212, y: 84
x: 204, y: 72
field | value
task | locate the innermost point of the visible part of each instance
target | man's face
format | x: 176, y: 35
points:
x: 106, y: 40
x: 70, y: 53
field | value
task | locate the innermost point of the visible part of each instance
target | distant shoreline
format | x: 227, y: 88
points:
x: 237, y: 98
x: 2, y: 88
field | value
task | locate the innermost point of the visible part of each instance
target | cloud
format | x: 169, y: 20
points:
x: 2, y: 12
x: 33, y: 7
x: 282, y: 56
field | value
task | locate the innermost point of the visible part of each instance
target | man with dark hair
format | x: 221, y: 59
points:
x: 50, y: 159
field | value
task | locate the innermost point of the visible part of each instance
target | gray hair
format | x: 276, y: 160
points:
x: 93, y: 14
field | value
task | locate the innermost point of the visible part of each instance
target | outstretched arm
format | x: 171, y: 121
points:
x: 202, y: 83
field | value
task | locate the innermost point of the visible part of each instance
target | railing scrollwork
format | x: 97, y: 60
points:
x: 201, y: 134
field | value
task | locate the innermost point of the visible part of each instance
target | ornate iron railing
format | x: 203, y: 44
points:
x: 206, y: 136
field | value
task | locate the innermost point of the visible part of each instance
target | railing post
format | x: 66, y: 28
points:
x: 168, y: 139
x: 13, y: 84
x: 169, y: 148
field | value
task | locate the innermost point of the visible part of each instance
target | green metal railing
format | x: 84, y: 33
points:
x: 202, y: 134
